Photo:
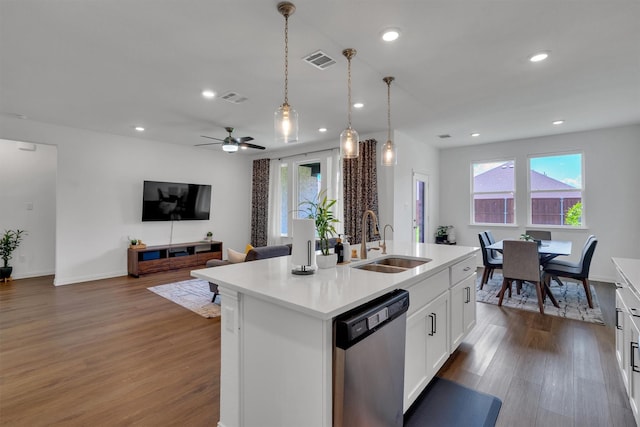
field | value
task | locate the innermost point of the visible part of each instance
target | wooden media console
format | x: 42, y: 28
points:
x: 153, y: 259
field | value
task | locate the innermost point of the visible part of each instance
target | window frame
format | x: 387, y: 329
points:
x: 582, y: 191
x: 472, y: 220
x: 328, y: 182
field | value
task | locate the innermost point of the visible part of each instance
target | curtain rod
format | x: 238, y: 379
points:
x: 304, y: 154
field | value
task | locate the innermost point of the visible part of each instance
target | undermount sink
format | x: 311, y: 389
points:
x: 392, y: 264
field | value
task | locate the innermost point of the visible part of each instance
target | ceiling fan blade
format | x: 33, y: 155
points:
x: 245, y: 139
x: 246, y: 144
x: 210, y: 137
x: 207, y: 143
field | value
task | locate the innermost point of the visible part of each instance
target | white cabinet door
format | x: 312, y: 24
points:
x: 437, y: 318
x: 634, y: 368
x: 622, y: 343
x: 415, y: 366
x: 463, y: 310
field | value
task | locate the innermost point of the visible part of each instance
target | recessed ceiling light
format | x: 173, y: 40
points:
x: 539, y: 57
x: 358, y: 105
x: 558, y: 122
x: 208, y: 94
x: 390, y: 34
x: 139, y: 128
x: 322, y: 130
x: 475, y: 134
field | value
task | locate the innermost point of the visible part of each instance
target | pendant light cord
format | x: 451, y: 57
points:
x: 286, y: 59
x: 349, y: 92
x: 388, y: 110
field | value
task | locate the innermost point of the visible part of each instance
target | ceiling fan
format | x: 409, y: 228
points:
x: 231, y: 144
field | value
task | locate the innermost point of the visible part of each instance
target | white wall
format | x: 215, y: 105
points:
x: 28, y: 202
x: 612, y: 196
x: 99, y: 195
x: 414, y: 156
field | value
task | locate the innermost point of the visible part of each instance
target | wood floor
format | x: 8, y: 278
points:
x: 110, y: 352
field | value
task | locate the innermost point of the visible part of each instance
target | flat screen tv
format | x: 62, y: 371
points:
x: 175, y: 201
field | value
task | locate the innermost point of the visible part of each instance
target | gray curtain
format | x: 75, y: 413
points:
x: 360, y: 188
x: 260, y: 202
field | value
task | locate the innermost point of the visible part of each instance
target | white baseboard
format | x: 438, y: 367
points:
x: 79, y: 279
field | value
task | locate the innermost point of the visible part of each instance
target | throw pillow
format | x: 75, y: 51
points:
x: 235, y: 256
x: 248, y: 248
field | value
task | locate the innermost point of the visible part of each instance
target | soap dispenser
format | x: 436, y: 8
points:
x: 346, y: 247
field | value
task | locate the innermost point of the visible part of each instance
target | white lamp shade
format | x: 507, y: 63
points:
x: 229, y: 147
x: 303, y: 249
x: 286, y: 124
x: 388, y: 154
x: 349, y: 143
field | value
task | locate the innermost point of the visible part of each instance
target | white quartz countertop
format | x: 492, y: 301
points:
x: 630, y: 269
x: 330, y: 292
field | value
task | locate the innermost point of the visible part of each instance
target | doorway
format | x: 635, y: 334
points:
x: 420, y: 209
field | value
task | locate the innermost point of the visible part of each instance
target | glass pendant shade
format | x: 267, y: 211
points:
x: 286, y: 124
x: 349, y: 137
x: 388, y: 155
x: 349, y: 143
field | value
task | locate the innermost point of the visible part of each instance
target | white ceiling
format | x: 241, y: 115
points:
x: 460, y: 66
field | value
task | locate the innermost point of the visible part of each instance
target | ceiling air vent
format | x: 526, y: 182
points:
x: 320, y: 60
x: 233, y: 97
x: 443, y: 136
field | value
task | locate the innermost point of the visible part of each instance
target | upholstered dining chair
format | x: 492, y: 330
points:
x: 490, y: 263
x: 575, y: 270
x: 520, y: 261
x: 494, y: 254
x: 539, y: 234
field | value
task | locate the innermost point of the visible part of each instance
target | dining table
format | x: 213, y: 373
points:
x: 548, y: 249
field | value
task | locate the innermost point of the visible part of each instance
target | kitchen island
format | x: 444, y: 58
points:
x: 277, y: 336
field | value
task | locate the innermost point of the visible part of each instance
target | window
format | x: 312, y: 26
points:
x: 301, y: 177
x: 493, y: 192
x: 555, y: 190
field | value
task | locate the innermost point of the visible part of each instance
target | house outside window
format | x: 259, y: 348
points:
x: 493, y: 192
x: 556, y: 190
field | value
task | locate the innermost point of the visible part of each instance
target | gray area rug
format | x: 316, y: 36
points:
x: 193, y: 294
x: 571, y: 298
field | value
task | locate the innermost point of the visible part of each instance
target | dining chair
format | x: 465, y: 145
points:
x: 521, y: 262
x: 490, y: 263
x: 575, y: 270
x: 494, y: 254
x: 539, y: 234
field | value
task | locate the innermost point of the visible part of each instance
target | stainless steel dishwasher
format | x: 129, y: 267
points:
x: 368, y: 363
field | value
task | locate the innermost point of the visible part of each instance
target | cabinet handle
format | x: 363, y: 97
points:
x: 433, y: 324
x: 618, y: 311
x: 634, y: 345
x: 468, y: 289
x: 466, y: 268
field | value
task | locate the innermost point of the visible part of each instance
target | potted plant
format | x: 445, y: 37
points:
x: 9, y: 243
x: 442, y: 233
x: 209, y: 235
x: 320, y: 211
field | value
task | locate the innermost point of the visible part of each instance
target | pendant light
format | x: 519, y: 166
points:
x: 388, y: 155
x: 349, y: 137
x: 286, y: 118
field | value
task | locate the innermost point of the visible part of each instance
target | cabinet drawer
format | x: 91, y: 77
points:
x: 425, y: 291
x: 463, y: 269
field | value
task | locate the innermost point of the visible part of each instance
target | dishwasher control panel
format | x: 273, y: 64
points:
x: 362, y: 321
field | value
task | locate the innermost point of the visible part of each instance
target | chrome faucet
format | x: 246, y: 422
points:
x: 376, y: 232
x: 383, y: 245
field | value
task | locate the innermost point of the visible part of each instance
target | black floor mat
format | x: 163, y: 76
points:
x: 447, y: 404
